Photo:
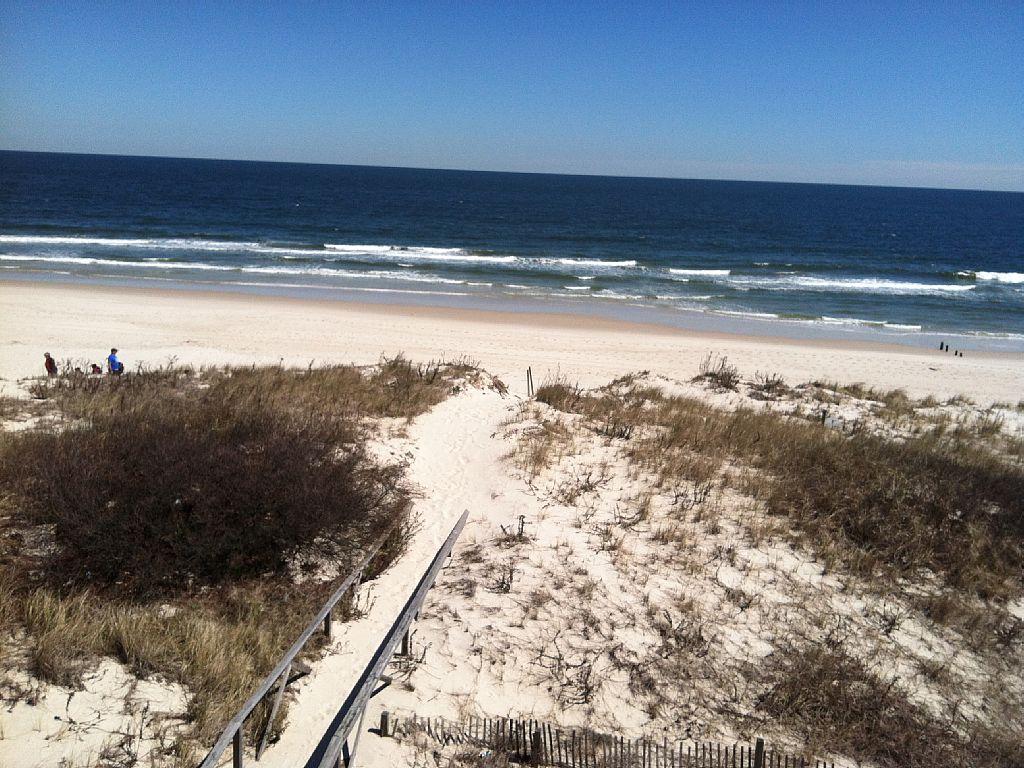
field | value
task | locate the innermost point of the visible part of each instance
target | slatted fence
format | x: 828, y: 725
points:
x: 535, y: 742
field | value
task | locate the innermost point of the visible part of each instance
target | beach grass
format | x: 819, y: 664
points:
x: 920, y: 518
x: 908, y: 508
x: 189, y: 523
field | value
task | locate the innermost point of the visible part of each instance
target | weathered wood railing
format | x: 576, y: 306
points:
x: 280, y: 676
x: 535, y: 742
x: 333, y: 748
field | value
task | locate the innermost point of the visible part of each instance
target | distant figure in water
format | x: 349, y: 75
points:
x: 114, y: 366
x: 51, y: 365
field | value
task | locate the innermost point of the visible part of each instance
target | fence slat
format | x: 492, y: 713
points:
x: 536, y: 742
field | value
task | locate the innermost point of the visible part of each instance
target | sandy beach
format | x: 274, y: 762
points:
x: 481, y: 650
x: 490, y: 386
x: 151, y: 327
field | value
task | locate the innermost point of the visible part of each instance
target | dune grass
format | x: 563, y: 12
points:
x: 910, y: 508
x: 187, y: 522
x: 837, y: 704
x: 933, y: 519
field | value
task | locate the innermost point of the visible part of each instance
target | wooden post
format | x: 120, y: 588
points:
x: 759, y: 753
x: 385, y: 723
x: 536, y: 748
x: 327, y: 624
x: 278, y: 698
x: 405, y: 644
x: 236, y: 749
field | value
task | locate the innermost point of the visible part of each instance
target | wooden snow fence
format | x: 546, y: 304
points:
x: 533, y: 742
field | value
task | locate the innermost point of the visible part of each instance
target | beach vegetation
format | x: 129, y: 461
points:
x: 717, y: 371
x: 910, y: 508
x: 839, y: 704
x: 189, y: 523
x: 868, y: 579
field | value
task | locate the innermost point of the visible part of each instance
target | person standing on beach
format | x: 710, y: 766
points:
x: 114, y: 366
x: 51, y: 365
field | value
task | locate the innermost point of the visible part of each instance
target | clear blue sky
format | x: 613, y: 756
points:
x: 897, y: 93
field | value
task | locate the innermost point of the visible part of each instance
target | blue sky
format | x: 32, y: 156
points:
x: 912, y: 94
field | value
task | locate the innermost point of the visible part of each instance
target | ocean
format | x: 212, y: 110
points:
x: 911, y: 266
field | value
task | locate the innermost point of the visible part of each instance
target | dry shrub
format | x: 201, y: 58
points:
x: 768, y: 386
x: 908, y: 506
x: 560, y: 393
x: 911, y: 507
x: 718, y: 372
x: 396, y: 387
x: 838, y: 705
x: 162, y: 495
x: 615, y: 410
x: 162, y: 521
x: 219, y: 645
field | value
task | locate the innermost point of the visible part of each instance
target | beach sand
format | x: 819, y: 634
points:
x: 153, y: 326
x: 456, y: 456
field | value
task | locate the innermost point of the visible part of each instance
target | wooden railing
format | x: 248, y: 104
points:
x: 280, y: 676
x: 334, y: 748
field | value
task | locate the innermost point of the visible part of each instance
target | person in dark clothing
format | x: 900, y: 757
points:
x: 51, y: 365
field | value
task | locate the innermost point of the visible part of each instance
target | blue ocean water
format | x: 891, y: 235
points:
x: 905, y: 265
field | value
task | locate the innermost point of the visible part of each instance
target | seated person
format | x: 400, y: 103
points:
x: 114, y: 366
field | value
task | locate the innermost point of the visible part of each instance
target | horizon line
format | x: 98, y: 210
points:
x: 518, y: 173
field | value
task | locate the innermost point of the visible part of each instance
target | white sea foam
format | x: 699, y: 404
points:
x: 848, y: 284
x: 738, y: 313
x: 588, y: 262
x: 421, y: 253
x: 387, y: 252
x: 699, y: 272
x: 170, y: 243
x: 388, y: 249
x: 856, y: 321
x: 358, y: 289
x: 576, y: 287
x: 998, y: 277
x: 619, y: 296
x: 902, y: 326
x: 585, y: 277
x: 246, y: 269
x: 847, y: 321
x: 89, y: 260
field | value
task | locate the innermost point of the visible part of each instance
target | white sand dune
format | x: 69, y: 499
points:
x: 455, y: 458
x: 452, y: 461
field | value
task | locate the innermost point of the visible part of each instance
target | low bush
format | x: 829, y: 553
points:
x: 189, y: 523
x: 561, y: 393
x: 396, y: 387
x: 917, y: 506
x: 718, y: 372
x: 219, y: 646
x: 837, y: 704
x: 166, y: 495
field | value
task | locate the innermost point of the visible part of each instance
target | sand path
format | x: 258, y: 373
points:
x: 454, y: 463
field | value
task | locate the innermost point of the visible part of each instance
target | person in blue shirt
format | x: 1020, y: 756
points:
x: 114, y: 366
